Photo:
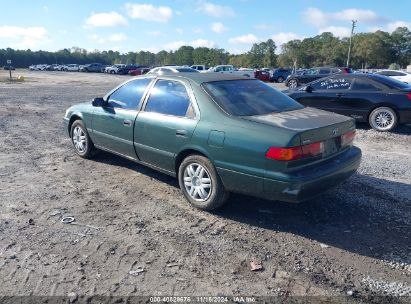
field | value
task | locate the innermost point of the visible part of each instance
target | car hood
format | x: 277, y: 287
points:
x: 301, y: 119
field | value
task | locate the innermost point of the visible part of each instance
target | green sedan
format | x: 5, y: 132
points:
x: 219, y: 134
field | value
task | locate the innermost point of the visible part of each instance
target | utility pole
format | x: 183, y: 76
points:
x: 354, y: 22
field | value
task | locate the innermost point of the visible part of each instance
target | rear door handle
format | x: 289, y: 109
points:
x: 340, y: 94
x: 181, y: 132
x: 127, y: 122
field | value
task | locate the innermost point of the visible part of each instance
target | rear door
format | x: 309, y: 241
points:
x: 113, y: 124
x: 166, y: 123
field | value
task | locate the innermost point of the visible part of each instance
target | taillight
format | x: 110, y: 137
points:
x: 294, y: 153
x: 347, y: 139
x: 409, y: 96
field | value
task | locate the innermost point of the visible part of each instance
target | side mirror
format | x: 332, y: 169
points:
x: 308, y: 89
x: 99, y: 102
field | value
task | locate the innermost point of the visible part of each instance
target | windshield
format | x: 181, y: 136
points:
x: 249, y: 97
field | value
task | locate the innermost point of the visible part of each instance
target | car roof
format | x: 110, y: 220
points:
x: 200, y: 78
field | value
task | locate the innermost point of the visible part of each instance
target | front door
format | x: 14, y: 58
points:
x: 166, y: 124
x: 113, y: 124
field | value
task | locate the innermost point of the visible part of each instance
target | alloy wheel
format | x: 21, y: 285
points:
x: 79, y: 139
x: 197, y: 182
x: 292, y: 84
x: 383, y: 119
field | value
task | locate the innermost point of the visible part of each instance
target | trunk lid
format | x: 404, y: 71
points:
x: 311, y: 125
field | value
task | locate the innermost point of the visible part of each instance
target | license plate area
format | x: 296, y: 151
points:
x: 331, y: 146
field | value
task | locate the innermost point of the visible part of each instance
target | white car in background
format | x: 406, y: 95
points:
x: 229, y: 69
x: 399, y: 75
x: 114, y: 68
x: 71, y: 68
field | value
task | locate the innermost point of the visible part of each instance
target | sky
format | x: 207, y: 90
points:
x: 168, y: 24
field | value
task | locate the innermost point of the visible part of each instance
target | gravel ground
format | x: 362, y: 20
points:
x: 134, y: 234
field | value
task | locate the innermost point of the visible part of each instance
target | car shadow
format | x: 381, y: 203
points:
x: 357, y: 216
x: 401, y: 129
x: 115, y: 160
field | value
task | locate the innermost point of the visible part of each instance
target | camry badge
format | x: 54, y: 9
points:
x: 335, y: 131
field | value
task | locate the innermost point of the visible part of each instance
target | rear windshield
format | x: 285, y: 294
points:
x: 249, y: 97
x: 391, y: 82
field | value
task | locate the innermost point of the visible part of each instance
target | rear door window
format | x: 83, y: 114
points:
x: 129, y: 95
x: 364, y: 85
x: 170, y: 98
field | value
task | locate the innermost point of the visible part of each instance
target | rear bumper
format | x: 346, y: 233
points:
x: 307, y: 183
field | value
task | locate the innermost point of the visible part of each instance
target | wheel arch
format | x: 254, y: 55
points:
x: 73, y: 118
x: 186, y: 152
x: 384, y: 104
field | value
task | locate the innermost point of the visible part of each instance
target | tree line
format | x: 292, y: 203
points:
x: 370, y: 50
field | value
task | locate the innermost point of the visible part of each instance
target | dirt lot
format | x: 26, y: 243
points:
x: 135, y: 234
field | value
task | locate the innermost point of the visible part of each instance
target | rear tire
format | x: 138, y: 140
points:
x: 81, y: 140
x: 293, y: 83
x: 200, y: 183
x: 280, y: 79
x: 383, y: 119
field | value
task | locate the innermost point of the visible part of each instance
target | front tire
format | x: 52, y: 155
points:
x: 280, y: 79
x: 383, y: 119
x: 200, y: 183
x: 81, y: 140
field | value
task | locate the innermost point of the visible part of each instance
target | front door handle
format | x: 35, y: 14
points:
x: 127, y: 122
x: 181, y: 132
x: 340, y: 94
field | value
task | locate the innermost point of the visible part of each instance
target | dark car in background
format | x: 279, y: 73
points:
x: 381, y: 101
x: 279, y: 75
x: 125, y: 69
x: 9, y: 68
x: 295, y: 80
x: 92, y: 67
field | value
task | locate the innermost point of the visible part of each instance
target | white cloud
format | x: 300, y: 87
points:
x: 174, y: 45
x: 110, y: 19
x: 244, y: 39
x: 319, y: 19
x: 216, y: 10
x: 179, y: 30
x: 149, y: 12
x: 218, y: 27
x: 202, y: 43
x: 281, y: 38
x: 338, y: 31
x: 392, y: 26
x: 45, y: 8
x: 24, y: 37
